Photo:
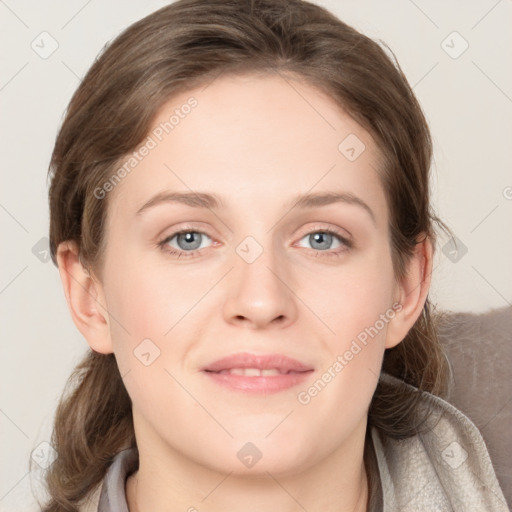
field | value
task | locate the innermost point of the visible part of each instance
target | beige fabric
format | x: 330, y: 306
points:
x: 445, y: 468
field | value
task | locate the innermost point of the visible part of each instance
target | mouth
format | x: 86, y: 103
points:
x: 257, y: 373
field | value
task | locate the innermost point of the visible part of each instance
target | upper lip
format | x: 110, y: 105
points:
x: 261, y: 361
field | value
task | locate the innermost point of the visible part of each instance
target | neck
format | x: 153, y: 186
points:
x: 174, y: 483
x: 250, y: 495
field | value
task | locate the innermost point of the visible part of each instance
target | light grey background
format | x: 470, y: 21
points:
x: 467, y: 100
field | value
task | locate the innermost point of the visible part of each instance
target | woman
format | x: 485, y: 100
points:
x: 240, y: 217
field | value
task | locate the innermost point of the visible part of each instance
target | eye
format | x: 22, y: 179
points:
x: 329, y: 241
x: 185, y: 242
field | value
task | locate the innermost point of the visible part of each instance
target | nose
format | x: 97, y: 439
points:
x: 260, y: 294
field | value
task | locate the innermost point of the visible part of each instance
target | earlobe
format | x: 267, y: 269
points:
x: 85, y: 298
x: 412, y: 292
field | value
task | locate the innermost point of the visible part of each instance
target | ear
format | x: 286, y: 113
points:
x: 411, y: 292
x: 85, y: 298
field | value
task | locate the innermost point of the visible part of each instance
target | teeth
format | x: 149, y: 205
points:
x: 236, y: 371
x: 252, y: 372
x: 270, y: 372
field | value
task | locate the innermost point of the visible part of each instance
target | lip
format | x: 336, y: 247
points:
x: 292, y: 372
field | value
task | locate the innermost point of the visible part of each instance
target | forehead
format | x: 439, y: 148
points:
x: 254, y: 139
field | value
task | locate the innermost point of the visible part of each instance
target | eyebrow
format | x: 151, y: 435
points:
x: 214, y: 202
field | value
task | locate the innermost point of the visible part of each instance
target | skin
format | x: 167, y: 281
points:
x: 257, y: 142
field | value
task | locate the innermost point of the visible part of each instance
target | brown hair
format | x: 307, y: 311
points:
x: 183, y: 45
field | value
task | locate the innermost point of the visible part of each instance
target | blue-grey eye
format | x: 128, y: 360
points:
x: 188, y: 240
x: 321, y: 240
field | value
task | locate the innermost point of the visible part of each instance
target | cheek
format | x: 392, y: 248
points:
x: 354, y: 298
x: 151, y: 300
x: 356, y: 310
x: 154, y: 322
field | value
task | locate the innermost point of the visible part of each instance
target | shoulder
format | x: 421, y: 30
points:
x: 445, y: 465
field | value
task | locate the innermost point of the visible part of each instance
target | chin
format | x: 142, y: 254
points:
x: 258, y: 456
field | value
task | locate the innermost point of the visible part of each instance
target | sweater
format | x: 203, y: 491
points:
x: 446, y: 468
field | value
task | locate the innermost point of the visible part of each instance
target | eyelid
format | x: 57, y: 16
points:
x: 185, y: 228
x: 326, y: 227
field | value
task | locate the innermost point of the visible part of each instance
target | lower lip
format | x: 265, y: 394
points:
x: 267, y: 384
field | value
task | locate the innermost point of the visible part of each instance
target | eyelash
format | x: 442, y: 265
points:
x: 192, y: 254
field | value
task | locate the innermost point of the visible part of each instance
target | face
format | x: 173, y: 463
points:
x: 254, y: 228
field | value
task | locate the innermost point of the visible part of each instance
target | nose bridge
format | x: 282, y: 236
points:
x: 258, y: 294
x: 257, y: 266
